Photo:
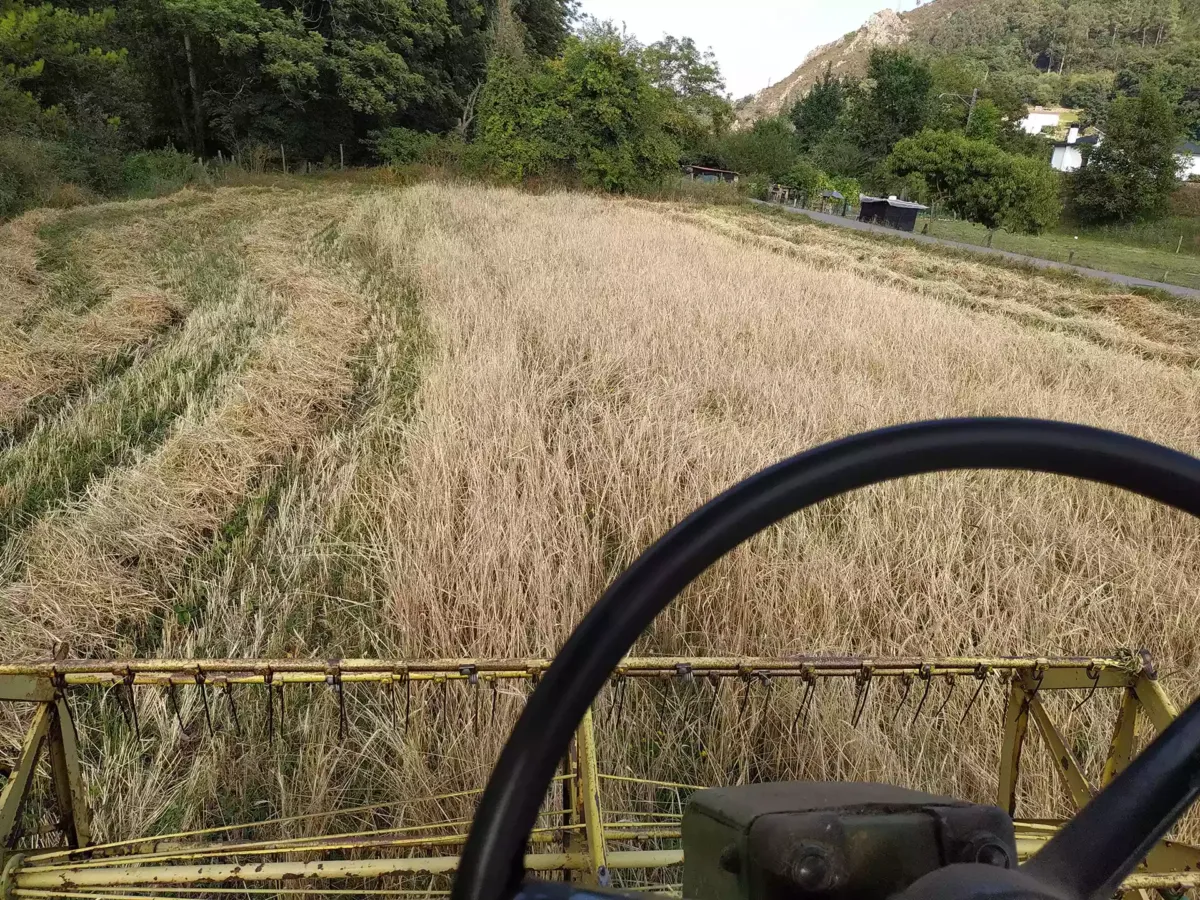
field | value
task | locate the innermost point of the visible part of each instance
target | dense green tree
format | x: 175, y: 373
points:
x: 985, y: 122
x: 547, y: 24
x: 768, y: 148
x: 60, y: 69
x: 896, y: 103
x: 591, y: 111
x: 816, y: 113
x: 1133, y: 172
x: 979, y: 181
x: 701, y: 112
x: 806, y: 178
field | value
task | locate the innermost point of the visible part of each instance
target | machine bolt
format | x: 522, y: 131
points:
x: 988, y: 851
x: 811, y: 871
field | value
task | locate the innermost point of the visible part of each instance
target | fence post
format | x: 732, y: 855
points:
x: 283, y: 157
x: 342, y: 154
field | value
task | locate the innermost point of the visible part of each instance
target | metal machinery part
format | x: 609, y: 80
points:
x: 1093, y: 852
x: 591, y: 840
x: 812, y: 839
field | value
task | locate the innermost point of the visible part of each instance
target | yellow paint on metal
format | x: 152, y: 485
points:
x: 1120, y: 748
x: 1158, y: 706
x: 1065, y: 763
x: 26, y: 688
x: 1016, y: 723
x: 256, y: 671
x: 588, y: 787
x: 68, y: 776
x: 12, y: 797
x: 335, y: 869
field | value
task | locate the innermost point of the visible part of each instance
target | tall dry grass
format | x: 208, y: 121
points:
x: 477, y: 406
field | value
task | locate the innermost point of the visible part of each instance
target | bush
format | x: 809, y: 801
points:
x: 31, y: 171
x: 402, y: 146
x: 806, y: 179
x: 150, y: 173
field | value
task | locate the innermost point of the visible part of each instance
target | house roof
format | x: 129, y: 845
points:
x: 1189, y: 147
x: 899, y: 204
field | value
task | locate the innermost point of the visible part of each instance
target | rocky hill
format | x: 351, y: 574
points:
x: 1039, y: 36
x: 847, y: 55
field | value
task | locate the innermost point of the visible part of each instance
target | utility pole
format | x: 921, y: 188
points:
x: 971, y: 108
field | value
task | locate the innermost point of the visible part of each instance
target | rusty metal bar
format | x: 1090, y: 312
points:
x: 1158, y: 706
x: 249, y: 671
x: 330, y: 869
x: 1120, y: 748
x: 1016, y: 724
x: 12, y: 798
x: 68, y: 777
x: 1079, y: 789
x: 29, y: 688
x: 587, y: 787
x: 1163, y: 866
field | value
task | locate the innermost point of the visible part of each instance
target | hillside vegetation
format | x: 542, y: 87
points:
x: 1046, y: 51
x: 437, y: 421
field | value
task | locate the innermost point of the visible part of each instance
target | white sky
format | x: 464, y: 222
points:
x: 757, y: 42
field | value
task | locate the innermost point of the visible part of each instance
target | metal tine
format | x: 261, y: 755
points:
x: 334, y: 680
x: 622, y: 688
x: 407, y: 700
x: 392, y: 700
x: 203, y: 685
x: 116, y: 690
x: 810, y: 688
x: 472, y: 674
x: 1094, y: 674
x: 137, y: 726
x: 953, y: 683
x: 748, y: 678
x: 173, y: 701
x: 268, y: 678
x: 907, y: 680
x: 715, y: 683
x: 981, y: 673
x: 237, y: 725
x: 926, y: 674
x: 863, y: 695
x: 495, y: 696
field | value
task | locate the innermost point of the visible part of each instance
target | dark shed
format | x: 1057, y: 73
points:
x: 704, y: 173
x: 889, y: 211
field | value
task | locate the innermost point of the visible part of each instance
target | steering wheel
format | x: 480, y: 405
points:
x: 1086, y: 859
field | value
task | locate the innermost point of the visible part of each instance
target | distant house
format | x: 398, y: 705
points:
x: 1189, y: 157
x: 900, y: 214
x: 1037, y: 119
x: 704, y: 173
x: 1068, y: 154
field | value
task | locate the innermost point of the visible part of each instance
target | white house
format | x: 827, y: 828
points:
x: 1068, y: 154
x: 1037, y: 119
x: 1189, y: 158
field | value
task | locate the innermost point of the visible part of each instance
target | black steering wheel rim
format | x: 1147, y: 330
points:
x: 492, y: 861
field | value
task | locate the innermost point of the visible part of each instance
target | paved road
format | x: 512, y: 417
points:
x: 1128, y: 280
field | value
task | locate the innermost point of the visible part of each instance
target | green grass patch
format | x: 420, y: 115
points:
x: 1093, y: 250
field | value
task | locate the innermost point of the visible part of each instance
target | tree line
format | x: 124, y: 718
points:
x: 108, y: 95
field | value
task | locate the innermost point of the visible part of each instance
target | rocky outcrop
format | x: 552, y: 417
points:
x: 847, y: 55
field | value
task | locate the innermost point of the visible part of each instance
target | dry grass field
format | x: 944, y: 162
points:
x: 437, y: 421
